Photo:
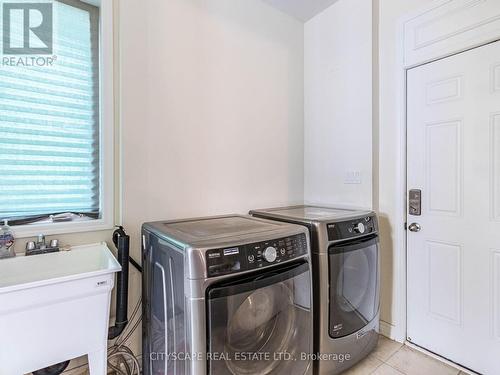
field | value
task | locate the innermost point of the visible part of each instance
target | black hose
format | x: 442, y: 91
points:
x: 122, y: 242
x: 137, y: 266
x: 52, y: 370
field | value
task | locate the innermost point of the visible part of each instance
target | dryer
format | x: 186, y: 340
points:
x: 345, y: 259
x: 226, y: 295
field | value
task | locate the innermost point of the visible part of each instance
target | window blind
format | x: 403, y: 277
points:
x: 49, y: 122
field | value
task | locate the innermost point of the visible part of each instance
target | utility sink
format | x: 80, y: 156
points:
x: 55, y: 307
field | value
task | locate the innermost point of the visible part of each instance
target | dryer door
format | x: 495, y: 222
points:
x: 255, y: 322
x: 354, y: 285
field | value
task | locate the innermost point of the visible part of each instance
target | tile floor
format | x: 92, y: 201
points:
x: 393, y: 358
x: 389, y: 358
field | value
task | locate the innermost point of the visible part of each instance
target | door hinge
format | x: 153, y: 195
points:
x: 406, y: 226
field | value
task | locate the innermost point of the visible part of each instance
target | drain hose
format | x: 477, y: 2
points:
x: 121, y: 241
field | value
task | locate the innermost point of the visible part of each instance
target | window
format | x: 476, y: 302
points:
x: 51, y: 142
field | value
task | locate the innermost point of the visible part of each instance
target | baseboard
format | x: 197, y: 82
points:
x: 392, y: 331
x: 386, y: 329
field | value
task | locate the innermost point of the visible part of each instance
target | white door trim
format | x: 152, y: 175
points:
x: 420, y: 43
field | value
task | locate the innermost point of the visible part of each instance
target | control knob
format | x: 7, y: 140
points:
x: 270, y: 254
x: 359, y: 228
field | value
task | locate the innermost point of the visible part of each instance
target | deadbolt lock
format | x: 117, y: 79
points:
x: 415, y: 202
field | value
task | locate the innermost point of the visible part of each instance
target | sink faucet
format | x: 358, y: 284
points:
x: 41, y: 247
x: 40, y: 241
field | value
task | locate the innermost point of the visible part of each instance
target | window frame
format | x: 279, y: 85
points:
x: 106, y: 139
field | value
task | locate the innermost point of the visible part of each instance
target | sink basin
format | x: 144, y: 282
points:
x: 55, y: 307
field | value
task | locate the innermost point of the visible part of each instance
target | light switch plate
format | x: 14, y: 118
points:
x: 352, y: 177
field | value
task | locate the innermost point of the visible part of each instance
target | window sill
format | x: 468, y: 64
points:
x: 48, y: 229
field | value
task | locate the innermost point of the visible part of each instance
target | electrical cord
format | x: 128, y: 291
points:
x: 119, y: 352
x: 124, y: 335
x: 122, y: 354
x: 132, y: 316
x: 131, y: 332
x: 117, y: 369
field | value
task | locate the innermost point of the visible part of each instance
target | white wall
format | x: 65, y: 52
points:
x: 340, y: 131
x: 338, y: 104
x: 389, y: 152
x: 211, y: 109
x: 212, y: 113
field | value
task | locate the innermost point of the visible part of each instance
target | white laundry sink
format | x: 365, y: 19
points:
x: 54, y: 307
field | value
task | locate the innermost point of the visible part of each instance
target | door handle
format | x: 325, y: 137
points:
x: 414, y: 227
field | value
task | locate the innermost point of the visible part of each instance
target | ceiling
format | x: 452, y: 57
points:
x: 303, y: 10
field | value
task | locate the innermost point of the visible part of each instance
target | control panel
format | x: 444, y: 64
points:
x: 352, y: 228
x: 255, y: 255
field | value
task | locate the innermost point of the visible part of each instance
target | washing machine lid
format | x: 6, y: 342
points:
x: 311, y: 214
x: 209, y: 232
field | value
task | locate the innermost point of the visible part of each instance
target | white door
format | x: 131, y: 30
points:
x: 453, y: 124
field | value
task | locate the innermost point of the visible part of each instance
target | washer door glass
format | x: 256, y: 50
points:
x: 354, y: 289
x: 261, y: 324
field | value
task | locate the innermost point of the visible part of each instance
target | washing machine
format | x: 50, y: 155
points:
x: 345, y: 260
x: 226, y: 295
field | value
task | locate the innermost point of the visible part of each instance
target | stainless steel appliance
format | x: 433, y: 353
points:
x: 345, y: 259
x: 226, y: 295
